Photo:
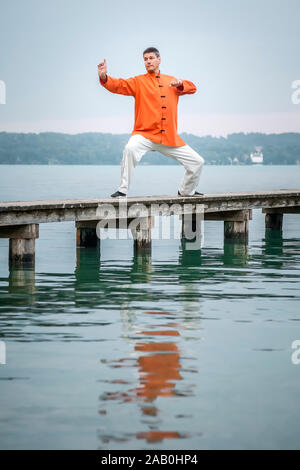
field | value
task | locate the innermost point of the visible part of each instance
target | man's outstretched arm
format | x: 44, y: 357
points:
x: 116, y: 85
x: 183, y: 87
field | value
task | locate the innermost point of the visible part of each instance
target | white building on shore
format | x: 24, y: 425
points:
x: 257, y: 156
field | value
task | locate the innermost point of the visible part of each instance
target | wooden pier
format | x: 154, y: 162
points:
x: 19, y: 221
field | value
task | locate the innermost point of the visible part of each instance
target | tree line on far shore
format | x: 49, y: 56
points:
x: 51, y: 148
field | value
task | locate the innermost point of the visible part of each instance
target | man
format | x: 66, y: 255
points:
x: 155, y: 127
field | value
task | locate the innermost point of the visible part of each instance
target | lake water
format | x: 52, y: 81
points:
x: 178, y: 350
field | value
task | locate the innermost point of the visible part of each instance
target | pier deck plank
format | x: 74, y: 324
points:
x: 44, y: 211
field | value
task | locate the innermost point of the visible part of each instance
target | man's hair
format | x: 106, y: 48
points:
x: 152, y: 49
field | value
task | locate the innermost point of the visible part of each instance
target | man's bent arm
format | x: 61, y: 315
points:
x: 187, y: 88
x: 120, y: 86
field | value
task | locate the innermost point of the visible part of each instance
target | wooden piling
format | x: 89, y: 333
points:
x: 21, y: 250
x: 192, y: 229
x: 86, y: 237
x: 273, y: 221
x: 236, y: 226
x: 21, y: 242
x: 236, y: 230
x: 141, y: 233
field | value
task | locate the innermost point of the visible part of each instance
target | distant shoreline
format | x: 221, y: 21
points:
x: 92, y: 148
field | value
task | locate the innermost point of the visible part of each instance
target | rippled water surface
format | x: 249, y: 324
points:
x: 174, y: 350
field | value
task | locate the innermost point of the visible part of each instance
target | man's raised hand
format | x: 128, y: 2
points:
x: 176, y: 82
x: 102, y: 70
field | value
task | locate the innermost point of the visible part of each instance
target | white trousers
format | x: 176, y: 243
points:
x: 138, y: 145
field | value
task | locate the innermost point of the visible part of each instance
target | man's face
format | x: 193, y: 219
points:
x: 151, y: 61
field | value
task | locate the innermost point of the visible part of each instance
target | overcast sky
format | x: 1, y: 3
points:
x: 243, y: 56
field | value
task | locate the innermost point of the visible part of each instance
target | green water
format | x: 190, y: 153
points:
x: 174, y: 350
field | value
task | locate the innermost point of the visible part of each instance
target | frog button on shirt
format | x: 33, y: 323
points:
x: 155, y: 104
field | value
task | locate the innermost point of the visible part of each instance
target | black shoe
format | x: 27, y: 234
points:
x: 196, y: 194
x: 118, y: 194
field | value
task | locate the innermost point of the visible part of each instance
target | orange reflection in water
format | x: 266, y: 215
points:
x: 158, y: 369
x: 157, y: 436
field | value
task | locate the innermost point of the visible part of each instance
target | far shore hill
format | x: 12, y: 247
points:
x: 92, y: 148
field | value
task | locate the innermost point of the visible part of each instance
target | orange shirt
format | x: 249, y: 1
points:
x: 155, y: 104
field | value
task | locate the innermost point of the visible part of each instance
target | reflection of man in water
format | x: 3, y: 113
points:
x: 155, y: 128
x: 159, y: 370
x: 159, y: 367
